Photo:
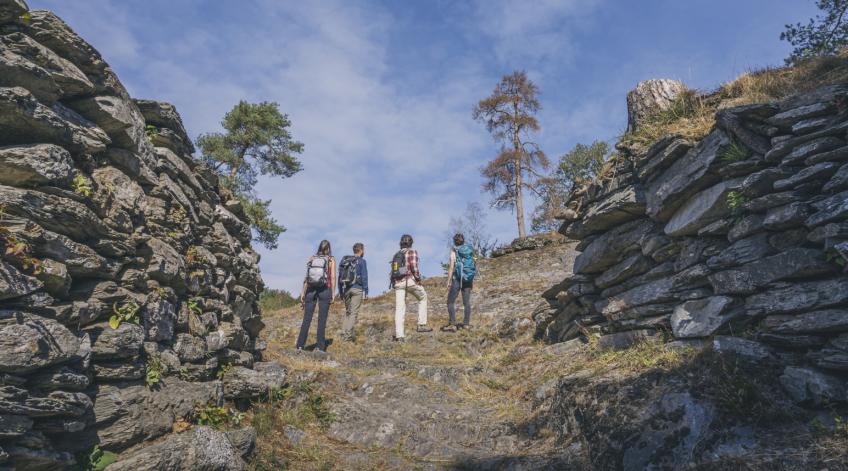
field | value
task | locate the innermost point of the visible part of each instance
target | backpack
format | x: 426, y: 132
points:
x: 399, y: 270
x: 347, y: 271
x: 466, y: 268
x: 316, y: 271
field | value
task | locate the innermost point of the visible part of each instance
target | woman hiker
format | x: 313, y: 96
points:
x: 318, y: 287
x: 461, y: 271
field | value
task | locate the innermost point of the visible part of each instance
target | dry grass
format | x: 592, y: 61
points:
x: 692, y: 115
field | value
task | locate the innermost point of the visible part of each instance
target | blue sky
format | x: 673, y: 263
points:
x: 381, y: 91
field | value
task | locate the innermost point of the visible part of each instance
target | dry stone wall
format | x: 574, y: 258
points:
x: 739, y: 240
x: 104, y: 213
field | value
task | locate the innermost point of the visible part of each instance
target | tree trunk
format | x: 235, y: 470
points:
x: 519, y: 200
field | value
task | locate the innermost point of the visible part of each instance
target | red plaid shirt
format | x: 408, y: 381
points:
x: 412, y: 264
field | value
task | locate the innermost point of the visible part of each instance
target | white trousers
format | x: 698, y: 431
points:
x: 401, y: 288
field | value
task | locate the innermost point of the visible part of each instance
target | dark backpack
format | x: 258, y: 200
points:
x: 466, y: 268
x: 399, y: 270
x: 316, y: 271
x: 347, y: 271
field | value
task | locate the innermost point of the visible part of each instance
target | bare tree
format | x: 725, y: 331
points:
x: 472, y: 224
x: 509, y: 114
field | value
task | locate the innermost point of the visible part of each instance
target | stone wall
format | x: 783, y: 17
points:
x: 738, y: 241
x: 103, y: 211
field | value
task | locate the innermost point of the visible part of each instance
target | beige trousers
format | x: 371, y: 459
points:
x: 401, y: 289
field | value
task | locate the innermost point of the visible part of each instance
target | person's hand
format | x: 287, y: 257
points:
x: 301, y: 300
x: 332, y: 300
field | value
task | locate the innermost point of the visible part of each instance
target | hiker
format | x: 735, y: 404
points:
x: 405, y: 278
x: 353, y: 287
x: 318, y: 287
x: 461, y: 271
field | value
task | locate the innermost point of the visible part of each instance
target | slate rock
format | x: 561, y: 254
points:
x: 836, y: 155
x: 786, y: 217
x: 838, y: 182
x: 12, y: 426
x: 55, y: 213
x: 12, y: 10
x: 773, y: 200
x: 658, y: 291
x: 623, y: 340
x: 742, y: 251
x: 691, y: 173
x: 14, y: 284
x: 118, y: 117
x: 799, y: 297
x: 190, y: 348
x: 808, y: 149
x: 793, y: 263
x: 814, y: 322
x: 200, y: 448
x: 742, y: 347
x: 747, y: 226
x: 788, y: 118
x: 818, y: 172
x: 36, y: 164
x: 760, y: 183
x: 33, y: 452
x: 660, y: 155
x: 243, y: 383
x: 701, y: 317
x: 606, y: 250
x: 108, y: 343
x: 808, y: 386
x: 620, y: 207
x: 128, y: 414
x: 19, y: 401
x: 828, y: 231
x: 30, y: 342
x: 701, y: 209
x: 164, y: 115
x: 633, y: 265
x: 832, y: 209
x: 23, y: 120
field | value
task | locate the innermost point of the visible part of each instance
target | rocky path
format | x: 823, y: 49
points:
x: 438, y: 401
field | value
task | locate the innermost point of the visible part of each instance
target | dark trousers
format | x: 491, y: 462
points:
x: 322, y: 297
x: 466, y: 300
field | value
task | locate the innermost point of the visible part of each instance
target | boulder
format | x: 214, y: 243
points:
x: 125, y: 414
x: 29, y: 342
x: 166, y: 265
x: 80, y: 260
x: 620, y: 207
x: 606, y: 250
x: 164, y: 115
x: 243, y: 383
x: 701, y: 209
x: 691, y: 173
x: 14, y: 284
x: 811, y: 387
x: 62, y: 215
x: 45, y: 74
x: 742, y: 251
x: 108, y: 343
x: 118, y: 117
x: 623, y: 340
x: 649, y: 97
x: 631, y: 266
x: 37, y: 164
x: 190, y: 348
x: 243, y: 440
x: 159, y: 319
x: 832, y: 209
x: 786, y: 217
x: 814, y: 322
x: 23, y: 120
x: 200, y: 448
x: 701, y: 317
x: 11, y: 11
x: 17, y: 401
x: 793, y: 263
x: 838, y: 182
x: 54, y: 275
x: 742, y: 347
x: 672, y: 430
x: 799, y: 297
x: 817, y: 172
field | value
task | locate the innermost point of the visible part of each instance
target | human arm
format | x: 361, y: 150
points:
x: 303, y: 292
x: 363, y: 277
x: 332, y: 279
x: 451, y: 266
x: 413, y: 265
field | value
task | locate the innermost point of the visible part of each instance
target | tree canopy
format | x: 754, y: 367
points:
x: 579, y: 165
x: 256, y: 141
x: 824, y: 34
x: 509, y: 114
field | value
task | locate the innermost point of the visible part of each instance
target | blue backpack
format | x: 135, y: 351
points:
x: 465, y: 266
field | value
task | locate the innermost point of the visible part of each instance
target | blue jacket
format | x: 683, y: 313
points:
x: 361, y: 277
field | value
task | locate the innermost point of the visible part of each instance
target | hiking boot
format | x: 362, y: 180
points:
x: 399, y: 339
x: 425, y: 328
x: 449, y: 328
x: 466, y: 326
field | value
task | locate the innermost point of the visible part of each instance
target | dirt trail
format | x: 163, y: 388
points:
x: 438, y: 401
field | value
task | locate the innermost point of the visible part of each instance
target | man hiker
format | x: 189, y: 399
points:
x: 353, y: 287
x: 405, y: 278
x: 461, y: 271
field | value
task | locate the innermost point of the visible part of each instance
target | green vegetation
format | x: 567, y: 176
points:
x: 223, y: 370
x: 155, y: 371
x: 510, y: 115
x: 256, y: 141
x: 96, y: 460
x: 735, y: 152
x: 151, y: 131
x: 194, y: 306
x: 823, y: 35
x: 736, y: 203
x: 81, y: 185
x: 216, y: 417
x: 126, y: 312
x: 580, y: 165
x: 833, y: 255
x: 271, y: 300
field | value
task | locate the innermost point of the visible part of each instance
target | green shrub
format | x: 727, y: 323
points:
x: 155, y: 371
x: 99, y: 459
x: 81, y: 185
x: 275, y: 300
x: 127, y: 312
x: 735, y: 152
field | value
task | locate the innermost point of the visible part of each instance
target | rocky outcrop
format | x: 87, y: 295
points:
x: 741, y: 232
x: 104, y: 213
